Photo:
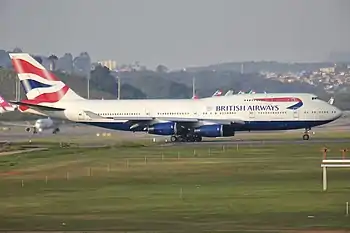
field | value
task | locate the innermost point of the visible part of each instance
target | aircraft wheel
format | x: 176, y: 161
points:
x: 198, y: 138
x: 306, y: 137
x: 190, y: 138
x: 173, y: 138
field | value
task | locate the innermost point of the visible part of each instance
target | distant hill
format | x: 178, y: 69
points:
x: 156, y: 85
x: 269, y: 66
x: 208, y: 81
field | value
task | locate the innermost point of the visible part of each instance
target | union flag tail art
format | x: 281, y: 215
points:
x: 6, y: 106
x: 40, y: 85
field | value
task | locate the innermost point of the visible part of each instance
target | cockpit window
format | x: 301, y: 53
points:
x: 314, y: 98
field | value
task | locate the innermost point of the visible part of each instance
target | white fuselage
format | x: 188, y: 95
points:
x: 247, y: 108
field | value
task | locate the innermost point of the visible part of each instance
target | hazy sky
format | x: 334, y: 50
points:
x: 178, y: 33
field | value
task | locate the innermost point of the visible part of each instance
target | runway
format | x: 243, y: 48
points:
x: 98, y: 136
x: 258, y: 142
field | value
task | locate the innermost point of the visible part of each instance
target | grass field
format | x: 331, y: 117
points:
x: 166, y: 189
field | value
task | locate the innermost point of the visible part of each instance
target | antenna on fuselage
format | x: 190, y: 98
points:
x: 193, y: 86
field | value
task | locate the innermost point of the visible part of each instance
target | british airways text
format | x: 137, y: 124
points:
x: 236, y: 108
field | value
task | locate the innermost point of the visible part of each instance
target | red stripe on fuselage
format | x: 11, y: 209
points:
x: 22, y: 67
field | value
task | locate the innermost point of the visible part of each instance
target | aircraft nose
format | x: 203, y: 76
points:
x: 37, y: 125
x: 337, y: 112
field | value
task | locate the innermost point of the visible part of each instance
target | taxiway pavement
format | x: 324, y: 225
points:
x: 94, y: 134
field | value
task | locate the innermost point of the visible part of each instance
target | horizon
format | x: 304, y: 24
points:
x: 180, y: 33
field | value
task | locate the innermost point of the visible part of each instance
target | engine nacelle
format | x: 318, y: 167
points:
x: 167, y: 128
x: 215, y: 131
x: 28, y: 129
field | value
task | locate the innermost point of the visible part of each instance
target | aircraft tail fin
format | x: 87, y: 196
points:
x: 217, y: 93
x: 6, y: 106
x: 331, y: 101
x: 40, y: 85
x: 230, y: 92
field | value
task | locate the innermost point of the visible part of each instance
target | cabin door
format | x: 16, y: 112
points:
x: 295, y: 114
x: 82, y: 116
x: 251, y: 115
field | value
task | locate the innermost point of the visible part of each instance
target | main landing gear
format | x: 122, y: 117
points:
x: 186, y: 138
x: 55, y: 131
x: 306, y: 135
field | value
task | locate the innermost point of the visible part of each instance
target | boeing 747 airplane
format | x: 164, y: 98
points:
x: 182, y: 119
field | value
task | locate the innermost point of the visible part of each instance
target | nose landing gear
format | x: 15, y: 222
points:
x: 306, y: 135
x: 55, y: 131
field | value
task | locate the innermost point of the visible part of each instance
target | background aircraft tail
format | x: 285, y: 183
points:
x: 6, y: 106
x: 331, y: 101
x: 217, y: 93
x: 40, y: 85
x: 230, y: 92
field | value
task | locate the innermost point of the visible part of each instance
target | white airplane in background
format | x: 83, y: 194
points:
x: 230, y: 92
x: 216, y: 93
x: 6, y: 106
x: 38, y: 126
x: 182, y: 119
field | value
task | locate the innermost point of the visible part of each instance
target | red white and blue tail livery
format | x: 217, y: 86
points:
x: 182, y: 119
x: 6, y: 106
x: 40, y: 85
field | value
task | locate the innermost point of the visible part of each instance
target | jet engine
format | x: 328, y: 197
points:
x: 28, y: 129
x: 167, y: 128
x: 215, y: 130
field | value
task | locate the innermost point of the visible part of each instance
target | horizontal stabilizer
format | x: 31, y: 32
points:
x: 38, y: 107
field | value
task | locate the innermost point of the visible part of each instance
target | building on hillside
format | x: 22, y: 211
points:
x: 110, y: 64
x: 327, y: 70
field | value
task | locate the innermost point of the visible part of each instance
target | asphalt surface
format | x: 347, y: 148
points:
x: 94, y: 135
x: 259, y: 142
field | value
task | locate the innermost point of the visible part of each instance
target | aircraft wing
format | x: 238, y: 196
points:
x: 178, y: 119
x: 226, y: 122
x: 195, y: 120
